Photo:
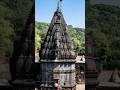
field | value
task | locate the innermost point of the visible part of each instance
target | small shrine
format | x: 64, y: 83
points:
x: 57, y: 56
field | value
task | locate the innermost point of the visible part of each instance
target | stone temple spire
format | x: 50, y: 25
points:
x: 57, y: 43
x: 22, y: 61
x: 59, y: 5
x: 57, y: 56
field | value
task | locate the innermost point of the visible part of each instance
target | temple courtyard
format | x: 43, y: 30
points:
x: 80, y: 87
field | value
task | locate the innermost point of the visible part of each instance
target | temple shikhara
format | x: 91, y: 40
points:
x: 57, y: 56
x: 56, y: 67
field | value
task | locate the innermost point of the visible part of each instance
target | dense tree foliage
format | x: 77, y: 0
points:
x: 78, y: 37
x: 103, y: 26
x: 13, y: 15
x: 40, y: 33
x: 76, y: 34
x: 6, y: 32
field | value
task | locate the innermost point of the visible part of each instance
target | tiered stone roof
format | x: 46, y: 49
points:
x: 22, y: 61
x: 57, y: 43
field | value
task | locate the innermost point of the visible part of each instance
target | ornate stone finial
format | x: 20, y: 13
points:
x: 59, y: 5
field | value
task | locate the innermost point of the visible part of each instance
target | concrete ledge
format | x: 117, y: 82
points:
x: 23, y: 83
x: 59, y: 61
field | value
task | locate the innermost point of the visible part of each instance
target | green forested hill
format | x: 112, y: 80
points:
x: 13, y: 15
x: 103, y: 25
x: 76, y: 34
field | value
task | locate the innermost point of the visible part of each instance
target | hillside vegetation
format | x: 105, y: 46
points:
x: 103, y: 26
x: 76, y: 34
x: 13, y: 15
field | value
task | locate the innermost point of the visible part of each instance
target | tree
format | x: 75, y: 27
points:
x: 13, y: 16
x: 6, y: 34
x: 102, y: 25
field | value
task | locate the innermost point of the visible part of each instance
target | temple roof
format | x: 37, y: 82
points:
x: 111, y: 76
x: 57, y: 43
x: 22, y: 61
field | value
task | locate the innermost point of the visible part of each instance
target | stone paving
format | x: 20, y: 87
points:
x: 80, y: 87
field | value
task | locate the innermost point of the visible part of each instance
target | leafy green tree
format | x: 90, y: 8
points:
x: 6, y: 34
x: 102, y: 26
x: 13, y: 16
x: 37, y: 39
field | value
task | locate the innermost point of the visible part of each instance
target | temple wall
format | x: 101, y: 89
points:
x: 65, y: 72
x: 4, y: 70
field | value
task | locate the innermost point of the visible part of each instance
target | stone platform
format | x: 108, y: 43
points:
x: 16, y: 85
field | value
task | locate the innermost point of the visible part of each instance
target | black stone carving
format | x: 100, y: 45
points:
x: 57, y: 43
x: 23, y: 59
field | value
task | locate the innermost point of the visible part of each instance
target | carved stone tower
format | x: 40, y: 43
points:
x: 22, y: 62
x: 57, y: 56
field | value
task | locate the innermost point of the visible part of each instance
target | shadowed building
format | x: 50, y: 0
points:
x: 98, y: 75
x: 57, y: 56
x: 109, y: 80
x: 91, y: 71
x: 22, y: 63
